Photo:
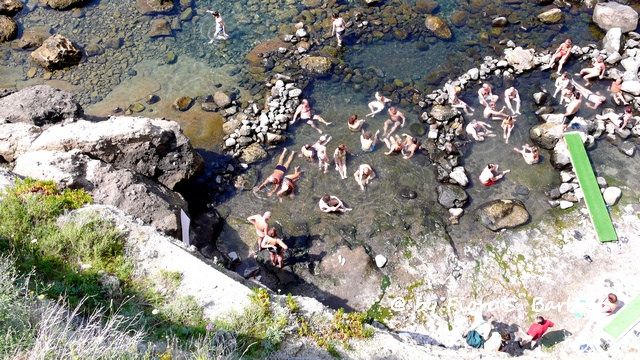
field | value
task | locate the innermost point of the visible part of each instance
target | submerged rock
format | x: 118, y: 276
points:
x: 611, y: 14
x: 57, y: 52
x: 438, y: 26
x: 64, y: 4
x: 149, y: 7
x: 39, y: 105
x: 551, y: 16
x: 183, y: 103
x: 502, y: 214
x: 32, y: 39
x: 10, y: 7
x: 317, y: 64
x: 8, y: 29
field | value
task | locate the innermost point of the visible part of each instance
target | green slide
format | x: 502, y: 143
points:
x: 593, y: 198
x: 624, y: 320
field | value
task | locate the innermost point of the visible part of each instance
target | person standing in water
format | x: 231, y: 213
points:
x: 338, y: 28
x: 321, y: 152
x: 260, y: 222
x: 276, y: 247
x: 340, y: 158
x: 220, y: 33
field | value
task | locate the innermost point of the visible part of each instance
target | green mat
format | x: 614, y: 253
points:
x: 624, y: 320
x: 593, y: 198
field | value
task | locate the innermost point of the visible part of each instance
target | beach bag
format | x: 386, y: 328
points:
x: 474, y: 339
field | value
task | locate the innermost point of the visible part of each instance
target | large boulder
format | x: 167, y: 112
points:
x: 560, y: 157
x: 39, y: 105
x: 631, y: 86
x: 546, y: 135
x: 8, y: 29
x: 611, y: 41
x: 443, y: 113
x: 57, y: 52
x: 150, y: 7
x: 550, y: 16
x: 519, y: 58
x: 316, y: 64
x: 136, y: 195
x: 154, y: 148
x: 253, y: 153
x: 64, y: 4
x: 452, y: 196
x: 611, y: 14
x: 10, y: 7
x: 502, y: 214
x: 15, y: 139
x: 438, y: 27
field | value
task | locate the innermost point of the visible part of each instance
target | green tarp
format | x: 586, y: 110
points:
x: 624, y: 319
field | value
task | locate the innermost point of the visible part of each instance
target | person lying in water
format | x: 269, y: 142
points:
x: 489, y: 175
x: 305, y: 112
x: 593, y: 101
x: 409, y: 147
x: 394, y: 144
x: 289, y: 184
x: 377, y: 105
x: 367, y: 141
x: 275, y: 246
x: 531, y: 154
x: 364, y: 175
x: 278, y: 174
x: 331, y: 204
x: 479, y: 129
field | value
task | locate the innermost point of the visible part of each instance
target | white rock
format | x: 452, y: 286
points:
x: 474, y: 74
x: 233, y: 256
x: 566, y: 176
x: 611, y: 41
x: 301, y: 33
x: 565, y: 204
x: 459, y: 176
x: 230, y: 142
x: 295, y: 92
x: 612, y: 14
x: 456, y: 212
x: 611, y: 195
x: 631, y: 87
x: 565, y: 188
x: 381, y: 261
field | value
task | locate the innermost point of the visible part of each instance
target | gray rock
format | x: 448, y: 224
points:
x: 560, y: 158
x: 551, y: 16
x: 474, y: 74
x: 519, y: 58
x: 15, y: 139
x: 611, y: 195
x: 451, y: 196
x: 546, y: 135
x: 39, y: 105
x: 611, y: 41
x: 540, y: 97
x: 459, y: 176
x: 316, y: 64
x: 443, y: 113
x: 502, y: 214
x: 7, y: 178
x: 611, y: 14
x: 221, y: 99
x: 500, y: 21
x: 381, y: 261
x: 253, y: 153
x: 565, y: 188
x: 602, y: 182
x: 564, y: 204
x: 631, y: 86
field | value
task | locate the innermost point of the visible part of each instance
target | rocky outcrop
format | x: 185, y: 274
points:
x: 10, y: 7
x: 8, y: 29
x: 154, y: 148
x: 57, y: 52
x: 611, y: 14
x: 316, y: 64
x: 546, y: 135
x: 39, y: 105
x: 519, y: 58
x: 502, y: 214
x: 64, y: 4
x: 15, y: 139
x: 438, y: 27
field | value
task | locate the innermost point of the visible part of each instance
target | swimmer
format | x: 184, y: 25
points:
x: 340, y: 158
x: 479, y: 129
x: 595, y: 99
x: 354, y: 123
x: 276, y: 177
x: 531, y: 154
x: 329, y: 204
x: 507, y: 126
x: 561, y: 55
x: 490, y: 176
x: 276, y: 247
x: 394, y: 144
x: 616, y: 92
x: 491, y: 112
x: 410, y: 146
x: 377, y: 105
x: 363, y: 175
x: 512, y: 94
x: 396, y: 118
x: 220, y: 33
x: 308, y: 152
x: 305, y: 112
x: 321, y: 151
x: 620, y: 121
x: 367, y: 141
x: 597, y: 70
x: 562, y: 82
x: 260, y: 222
x: 485, y: 93
x: 289, y: 184
x: 338, y: 28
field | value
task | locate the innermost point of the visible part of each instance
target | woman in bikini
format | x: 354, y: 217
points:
x: 363, y: 175
x: 305, y: 112
x: 340, y: 158
x: 561, y: 55
x: 507, y: 125
x: 338, y: 28
x: 377, y: 105
x: 354, y: 123
x: 368, y: 141
x: 278, y: 174
x: 616, y: 92
x: 394, y: 144
x: 276, y: 247
x: 289, y: 184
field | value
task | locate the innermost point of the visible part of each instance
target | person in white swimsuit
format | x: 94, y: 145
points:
x: 220, y: 33
x: 338, y: 28
x: 377, y: 105
x: 512, y: 94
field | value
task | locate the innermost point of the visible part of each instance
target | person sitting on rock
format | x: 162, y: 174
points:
x: 531, y: 154
x: 593, y: 100
x: 489, y: 176
x: 572, y: 109
x: 620, y: 121
x: 490, y: 112
x: 616, y: 92
x: 562, y: 82
x: 479, y: 129
x: 278, y: 174
x: 610, y: 305
x: 305, y: 112
x: 363, y: 175
x: 377, y: 105
x: 354, y: 123
x: 331, y: 204
x: 289, y: 184
x: 410, y: 145
x: 455, y: 101
x: 512, y: 94
x: 275, y: 246
x: 396, y: 118
x: 566, y: 94
x: 367, y: 141
x: 597, y: 71
x: 561, y: 55
x: 394, y: 144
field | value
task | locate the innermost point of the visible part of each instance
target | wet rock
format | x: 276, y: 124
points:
x: 459, y: 176
x: 150, y: 7
x: 426, y: 6
x: 546, y: 135
x: 56, y: 52
x: 39, y: 105
x: 611, y: 195
x: 183, y: 103
x: 136, y: 107
x: 540, y: 98
x: 8, y: 29
x: 186, y: 14
x: 500, y: 21
x: 611, y: 14
x: 551, y: 16
x: 221, y: 99
x: 317, y: 64
x: 443, y: 113
x: 459, y: 18
x: 611, y: 41
x: 253, y: 153
x: 560, y: 158
x: 64, y: 4
x: 10, y: 7
x: 247, y: 180
x: 451, y: 196
x: 519, y: 58
x: 502, y: 214
x: 627, y: 147
x: 160, y: 28
x: 93, y: 49
x: 438, y: 26
x: 381, y: 261
x: 407, y: 193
